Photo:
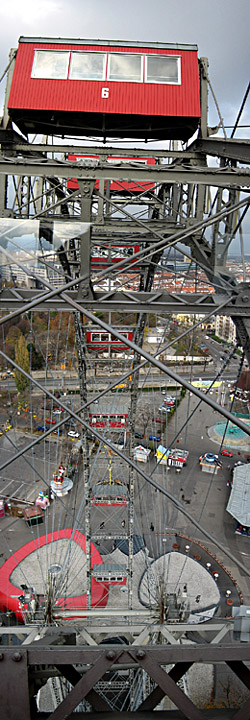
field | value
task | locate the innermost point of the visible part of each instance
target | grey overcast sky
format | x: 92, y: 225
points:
x: 220, y: 28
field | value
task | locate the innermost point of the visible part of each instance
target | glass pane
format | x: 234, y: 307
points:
x: 87, y: 66
x: 125, y: 67
x: 162, y: 69
x: 50, y: 64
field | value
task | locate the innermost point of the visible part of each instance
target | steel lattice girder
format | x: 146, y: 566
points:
x: 127, y: 301
x: 239, y: 177
x: 225, y: 148
x: 231, y: 148
x: 95, y: 661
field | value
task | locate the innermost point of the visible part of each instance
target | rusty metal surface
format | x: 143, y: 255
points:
x: 14, y: 685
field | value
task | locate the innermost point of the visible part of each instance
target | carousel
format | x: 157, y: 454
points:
x: 61, y: 484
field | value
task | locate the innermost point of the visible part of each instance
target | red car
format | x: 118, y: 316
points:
x: 226, y: 453
x: 50, y: 422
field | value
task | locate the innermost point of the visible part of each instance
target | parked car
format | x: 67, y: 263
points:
x: 226, y: 453
x: 164, y: 409
x: 42, y: 428
x: 50, y: 422
x: 73, y: 434
x: 139, y: 436
x: 155, y: 438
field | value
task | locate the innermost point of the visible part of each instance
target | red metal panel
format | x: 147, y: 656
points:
x: 9, y: 594
x: 114, y: 185
x: 124, y: 98
x: 111, y: 342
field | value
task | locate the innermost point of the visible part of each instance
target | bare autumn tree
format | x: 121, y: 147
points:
x: 22, y: 359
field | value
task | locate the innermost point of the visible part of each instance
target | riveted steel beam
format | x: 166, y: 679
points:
x: 126, y: 302
x: 167, y: 684
x: 239, y: 177
x: 14, y: 687
x: 155, y: 697
x: 225, y: 148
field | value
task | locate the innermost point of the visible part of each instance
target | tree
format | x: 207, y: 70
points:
x: 22, y: 359
x: 36, y: 358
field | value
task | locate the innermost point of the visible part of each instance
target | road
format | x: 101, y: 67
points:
x: 72, y: 383
x: 205, y: 496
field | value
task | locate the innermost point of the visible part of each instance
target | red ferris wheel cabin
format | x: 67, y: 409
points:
x: 105, y: 88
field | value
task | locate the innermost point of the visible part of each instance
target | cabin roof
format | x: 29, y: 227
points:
x: 109, y: 43
x: 110, y: 406
x: 114, y: 568
x: 113, y: 490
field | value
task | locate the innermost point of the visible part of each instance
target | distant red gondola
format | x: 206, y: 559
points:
x: 100, y: 340
x: 106, y: 254
x: 111, y: 420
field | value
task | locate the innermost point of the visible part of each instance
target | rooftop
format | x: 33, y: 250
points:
x: 239, y: 501
x: 111, y: 43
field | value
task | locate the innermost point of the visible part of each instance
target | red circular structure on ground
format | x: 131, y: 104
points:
x: 9, y: 593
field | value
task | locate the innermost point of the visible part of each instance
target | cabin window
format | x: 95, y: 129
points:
x: 87, y: 66
x: 125, y: 68
x: 163, y: 69
x: 104, y: 337
x: 128, y: 251
x: 50, y: 64
x: 95, y: 337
